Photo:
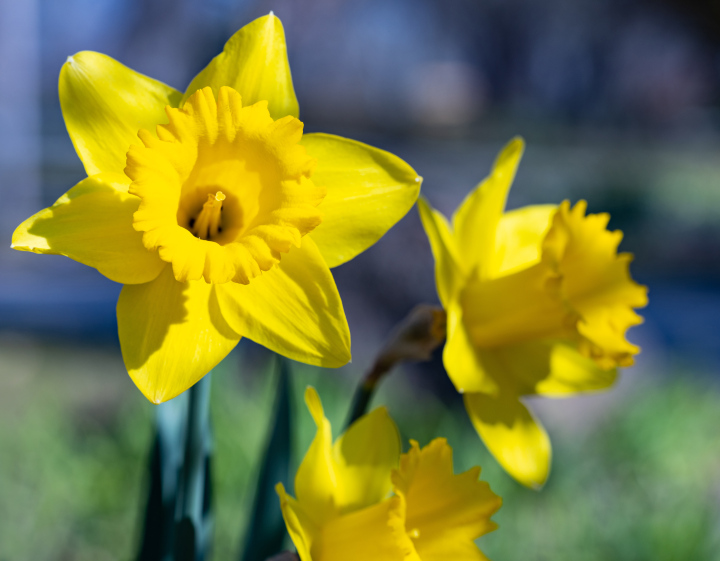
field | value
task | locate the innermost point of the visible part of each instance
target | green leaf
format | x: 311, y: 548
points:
x: 193, y: 520
x: 166, y: 457
x: 266, y: 532
x: 178, y: 518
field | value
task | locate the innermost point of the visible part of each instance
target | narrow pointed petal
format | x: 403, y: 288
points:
x: 92, y: 224
x: 105, y: 104
x: 368, y: 191
x: 364, y: 458
x: 299, y: 524
x: 294, y: 309
x: 462, y: 360
x: 316, y: 481
x: 445, y: 512
x: 512, y: 434
x: 171, y: 334
x: 449, y: 272
x: 254, y: 62
x: 476, y: 220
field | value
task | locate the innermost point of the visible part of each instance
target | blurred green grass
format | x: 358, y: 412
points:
x: 639, y: 481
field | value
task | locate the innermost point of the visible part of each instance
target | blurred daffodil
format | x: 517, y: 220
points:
x: 222, y: 220
x: 538, y: 302
x: 360, y: 499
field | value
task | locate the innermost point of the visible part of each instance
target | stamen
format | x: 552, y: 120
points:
x: 207, y: 225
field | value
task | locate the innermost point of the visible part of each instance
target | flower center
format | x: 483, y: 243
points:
x: 208, y: 223
x: 225, y: 190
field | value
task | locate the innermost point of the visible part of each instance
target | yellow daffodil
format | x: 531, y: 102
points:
x: 216, y: 212
x: 360, y: 499
x: 538, y: 302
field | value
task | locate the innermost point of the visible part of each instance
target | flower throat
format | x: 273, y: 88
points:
x: 208, y: 224
x: 225, y: 189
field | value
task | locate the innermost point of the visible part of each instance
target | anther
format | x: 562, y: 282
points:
x: 207, y: 225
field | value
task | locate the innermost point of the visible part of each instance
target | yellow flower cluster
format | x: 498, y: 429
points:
x: 222, y: 219
x: 360, y: 499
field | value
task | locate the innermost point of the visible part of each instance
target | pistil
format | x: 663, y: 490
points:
x: 208, y: 223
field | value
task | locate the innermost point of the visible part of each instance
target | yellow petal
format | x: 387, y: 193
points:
x: 550, y: 368
x: 571, y: 372
x: 105, y: 104
x: 462, y: 360
x: 254, y: 62
x: 315, y: 481
x: 368, y: 191
x: 520, y: 234
x: 299, y: 524
x: 476, y: 220
x: 294, y: 309
x: 523, y: 306
x: 511, y: 433
x: 445, y: 512
x: 92, y: 224
x: 373, y: 533
x: 171, y: 334
x: 364, y: 457
x: 449, y: 273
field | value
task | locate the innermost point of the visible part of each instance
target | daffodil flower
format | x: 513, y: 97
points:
x: 538, y: 302
x: 216, y: 213
x: 360, y: 499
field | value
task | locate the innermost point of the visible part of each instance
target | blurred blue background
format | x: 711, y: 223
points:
x: 619, y: 104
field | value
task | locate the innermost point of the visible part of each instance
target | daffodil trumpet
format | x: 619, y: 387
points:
x: 220, y: 217
x: 359, y: 498
x: 538, y: 302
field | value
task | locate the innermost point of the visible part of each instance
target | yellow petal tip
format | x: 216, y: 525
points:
x: 513, y: 151
x: 154, y: 395
x: 77, y: 58
x: 533, y: 477
x: 314, y: 405
x: 343, y: 358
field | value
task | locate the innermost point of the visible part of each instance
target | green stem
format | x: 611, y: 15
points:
x: 365, y: 391
x: 414, y: 338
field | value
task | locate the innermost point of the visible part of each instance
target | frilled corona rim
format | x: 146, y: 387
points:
x: 225, y: 190
x: 579, y: 289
